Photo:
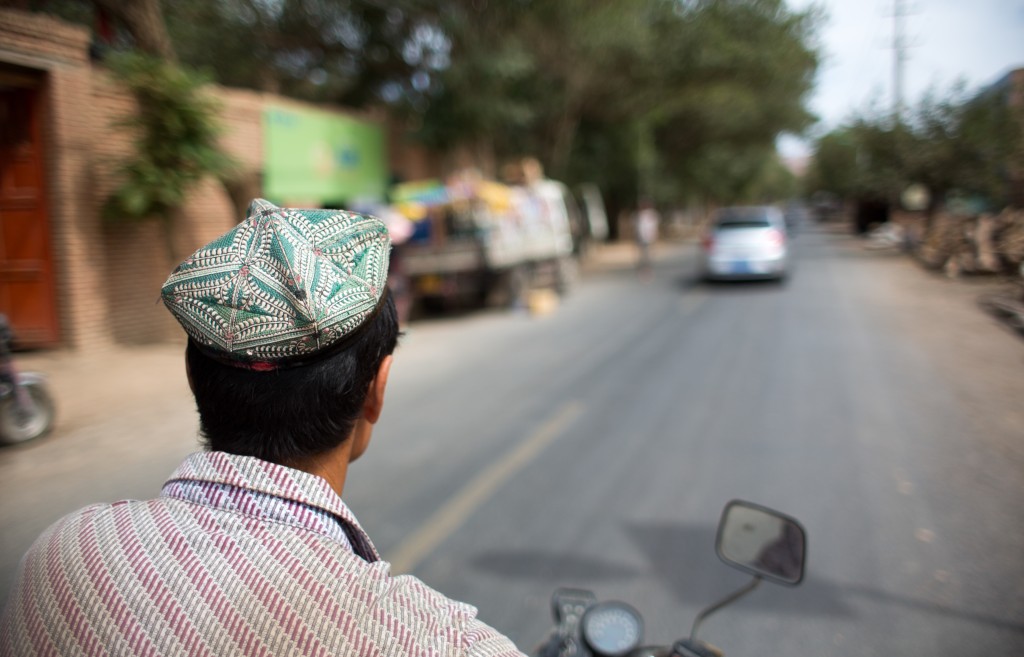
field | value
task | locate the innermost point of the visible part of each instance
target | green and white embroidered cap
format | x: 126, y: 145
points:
x: 283, y: 286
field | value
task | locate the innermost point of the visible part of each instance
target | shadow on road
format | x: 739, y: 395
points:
x: 740, y: 286
x: 695, y: 281
x: 683, y: 557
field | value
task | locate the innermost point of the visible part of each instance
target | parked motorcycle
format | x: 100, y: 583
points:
x: 765, y: 543
x: 26, y: 407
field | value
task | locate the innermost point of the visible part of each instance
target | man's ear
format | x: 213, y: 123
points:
x: 374, y: 403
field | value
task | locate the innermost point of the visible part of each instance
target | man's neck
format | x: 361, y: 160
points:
x: 331, y: 465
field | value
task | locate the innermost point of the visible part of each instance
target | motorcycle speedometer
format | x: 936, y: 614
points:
x: 613, y: 628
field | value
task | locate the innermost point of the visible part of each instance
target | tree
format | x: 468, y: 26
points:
x: 736, y: 75
x: 354, y: 53
x: 144, y: 20
x: 678, y: 87
x: 176, y: 145
x: 955, y: 142
x: 834, y: 163
x: 670, y: 87
x: 966, y: 144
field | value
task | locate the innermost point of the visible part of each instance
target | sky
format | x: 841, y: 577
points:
x: 976, y: 41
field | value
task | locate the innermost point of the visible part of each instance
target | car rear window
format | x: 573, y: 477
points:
x: 742, y: 218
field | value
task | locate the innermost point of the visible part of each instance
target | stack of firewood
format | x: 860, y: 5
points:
x: 1011, y: 240
x: 982, y: 244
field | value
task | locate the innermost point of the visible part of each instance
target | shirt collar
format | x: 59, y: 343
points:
x: 249, y: 473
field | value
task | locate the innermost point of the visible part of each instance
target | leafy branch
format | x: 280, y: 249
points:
x: 176, y: 145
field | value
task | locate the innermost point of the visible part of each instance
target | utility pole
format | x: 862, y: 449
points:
x: 899, y: 47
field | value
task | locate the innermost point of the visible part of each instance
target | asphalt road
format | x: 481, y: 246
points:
x: 596, y: 446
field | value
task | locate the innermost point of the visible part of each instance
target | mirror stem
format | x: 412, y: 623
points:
x: 732, y: 597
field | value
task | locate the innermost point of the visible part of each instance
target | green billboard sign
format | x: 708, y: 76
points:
x: 318, y: 156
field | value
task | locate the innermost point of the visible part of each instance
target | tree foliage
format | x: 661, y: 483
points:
x: 702, y: 80
x: 355, y: 53
x: 954, y: 143
x: 739, y: 76
x: 681, y: 88
x: 176, y: 145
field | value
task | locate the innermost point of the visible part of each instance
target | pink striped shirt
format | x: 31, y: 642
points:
x: 236, y: 557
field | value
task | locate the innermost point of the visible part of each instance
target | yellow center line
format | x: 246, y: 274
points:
x: 454, y: 513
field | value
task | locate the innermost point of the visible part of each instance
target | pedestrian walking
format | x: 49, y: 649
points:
x: 647, y: 220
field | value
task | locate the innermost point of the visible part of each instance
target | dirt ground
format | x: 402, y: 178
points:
x: 983, y: 354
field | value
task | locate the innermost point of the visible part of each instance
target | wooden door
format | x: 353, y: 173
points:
x: 26, y: 267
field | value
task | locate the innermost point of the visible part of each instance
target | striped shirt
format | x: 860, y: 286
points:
x: 236, y: 557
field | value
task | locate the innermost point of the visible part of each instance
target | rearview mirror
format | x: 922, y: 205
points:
x: 762, y: 542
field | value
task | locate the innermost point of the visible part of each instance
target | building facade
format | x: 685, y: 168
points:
x: 67, y: 278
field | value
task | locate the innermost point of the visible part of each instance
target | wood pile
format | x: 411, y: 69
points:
x: 961, y: 245
x: 983, y: 244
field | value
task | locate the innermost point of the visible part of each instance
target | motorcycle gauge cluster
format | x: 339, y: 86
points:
x: 611, y: 629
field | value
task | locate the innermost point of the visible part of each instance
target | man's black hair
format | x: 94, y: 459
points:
x: 290, y: 414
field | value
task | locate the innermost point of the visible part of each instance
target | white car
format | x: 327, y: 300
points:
x: 746, y: 243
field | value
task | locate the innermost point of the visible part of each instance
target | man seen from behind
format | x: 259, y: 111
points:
x: 249, y: 549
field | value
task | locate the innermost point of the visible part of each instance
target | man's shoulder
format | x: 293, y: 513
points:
x: 105, y: 516
x: 129, y: 553
x: 97, y: 533
x: 74, y: 522
x: 443, y: 625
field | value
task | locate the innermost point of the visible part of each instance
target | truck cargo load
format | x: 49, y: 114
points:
x: 479, y: 241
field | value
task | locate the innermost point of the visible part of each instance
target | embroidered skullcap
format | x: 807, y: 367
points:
x: 283, y: 286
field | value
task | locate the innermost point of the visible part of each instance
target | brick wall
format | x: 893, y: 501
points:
x: 409, y: 160
x: 139, y: 255
x: 40, y: 41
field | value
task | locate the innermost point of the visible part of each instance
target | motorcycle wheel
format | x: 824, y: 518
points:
x: 29, y: 423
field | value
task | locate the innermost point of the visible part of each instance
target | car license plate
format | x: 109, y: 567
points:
x: 740, y: 267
